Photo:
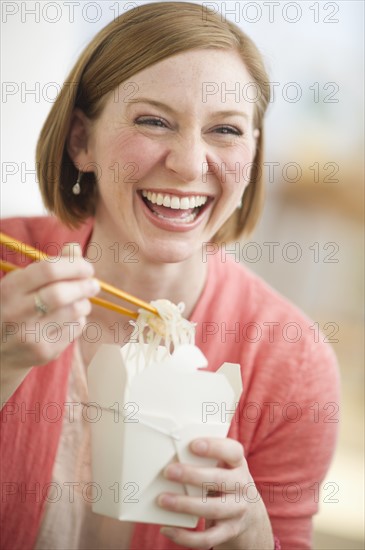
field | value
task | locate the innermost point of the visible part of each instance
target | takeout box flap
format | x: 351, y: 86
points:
x: 232, y: 372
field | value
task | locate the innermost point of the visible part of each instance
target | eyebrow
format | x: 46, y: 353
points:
x: 172, y: 111
x: 232, y: 113
x: 154, y: 103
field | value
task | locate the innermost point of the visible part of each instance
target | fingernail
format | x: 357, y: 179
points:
x: 89, y: 267
x: 94, y: 285
x: 76, y: 247
x: 168, y: 532
x: 200, y: 446
x: 71, y: 249
x: 166, y: 500
x: 173, y: 471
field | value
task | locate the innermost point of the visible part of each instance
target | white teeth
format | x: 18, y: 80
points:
x: 187, y: 219
x: 184, y: 203
x: 173, y: 201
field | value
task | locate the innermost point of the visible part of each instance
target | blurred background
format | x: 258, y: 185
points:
x: 309, y: 243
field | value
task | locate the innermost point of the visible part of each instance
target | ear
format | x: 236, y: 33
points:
x: 78, y: 139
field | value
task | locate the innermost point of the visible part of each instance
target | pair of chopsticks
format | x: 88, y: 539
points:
x: 35, y: 254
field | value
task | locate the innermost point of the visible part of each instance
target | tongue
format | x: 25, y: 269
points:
x: 169, y: 212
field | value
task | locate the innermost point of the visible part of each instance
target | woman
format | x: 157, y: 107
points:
x: 148, y: 165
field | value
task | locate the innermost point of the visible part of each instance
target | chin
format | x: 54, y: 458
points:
x: 171, y: 253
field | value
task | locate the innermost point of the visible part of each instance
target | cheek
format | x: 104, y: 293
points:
x: 134, y: 157
x: 236, y: 168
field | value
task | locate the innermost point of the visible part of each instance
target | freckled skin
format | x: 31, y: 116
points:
x: 137, y: 146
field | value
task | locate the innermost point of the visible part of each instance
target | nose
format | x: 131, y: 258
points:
x: 187, y: 157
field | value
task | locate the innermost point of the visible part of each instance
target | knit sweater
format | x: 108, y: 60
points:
x: 286, y: 420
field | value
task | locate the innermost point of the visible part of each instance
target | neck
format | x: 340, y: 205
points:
x: 119, y: 264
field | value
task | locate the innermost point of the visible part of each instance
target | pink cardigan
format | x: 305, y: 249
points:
x: 287, y: 419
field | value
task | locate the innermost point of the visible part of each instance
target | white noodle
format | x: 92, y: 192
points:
x: 169, y: 330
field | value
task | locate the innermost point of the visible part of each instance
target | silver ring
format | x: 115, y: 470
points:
x: 40, y: 306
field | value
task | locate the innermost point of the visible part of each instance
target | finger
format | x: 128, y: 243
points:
x: 45, y: 342
x: 210, y: 538
x: 72, y: 250
x: 46, y: 338
x: 69, y: 313
x: 224, y: 506
x: 226, y: 450
x: 209, y: 479
x: 54, y: 297
x: 59, y: 295
x: 39, y: 274
x: 72, y: 295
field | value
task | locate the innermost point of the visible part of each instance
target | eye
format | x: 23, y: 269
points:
x: 228, y: 130
x: 151, y: 121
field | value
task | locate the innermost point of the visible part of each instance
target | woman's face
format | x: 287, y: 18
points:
x: 171, y: 148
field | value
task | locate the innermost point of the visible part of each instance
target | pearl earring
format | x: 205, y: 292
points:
x: 76, y: 189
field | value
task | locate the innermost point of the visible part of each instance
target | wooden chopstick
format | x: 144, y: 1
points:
x: 35, y: 254
x: 7, y: 266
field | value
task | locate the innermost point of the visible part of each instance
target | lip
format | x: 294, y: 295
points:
x: 168, y: 225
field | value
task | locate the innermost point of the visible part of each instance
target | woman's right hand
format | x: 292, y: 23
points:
x: 30, y: 336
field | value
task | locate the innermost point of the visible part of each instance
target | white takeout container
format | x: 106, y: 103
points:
x: 146, y: 418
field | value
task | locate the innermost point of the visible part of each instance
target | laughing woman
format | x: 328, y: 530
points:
x: 142, y: 160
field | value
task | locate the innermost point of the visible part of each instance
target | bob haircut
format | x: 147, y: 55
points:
x: 132, y: 42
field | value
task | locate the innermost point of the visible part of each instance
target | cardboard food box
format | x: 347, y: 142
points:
x: 148, y: 415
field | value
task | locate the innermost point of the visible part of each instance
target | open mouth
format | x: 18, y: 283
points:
x: 173, y: 208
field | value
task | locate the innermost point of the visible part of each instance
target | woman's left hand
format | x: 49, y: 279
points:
x: 236, y: 516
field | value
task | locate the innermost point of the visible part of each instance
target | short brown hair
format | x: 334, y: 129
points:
x: 132, y: 42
